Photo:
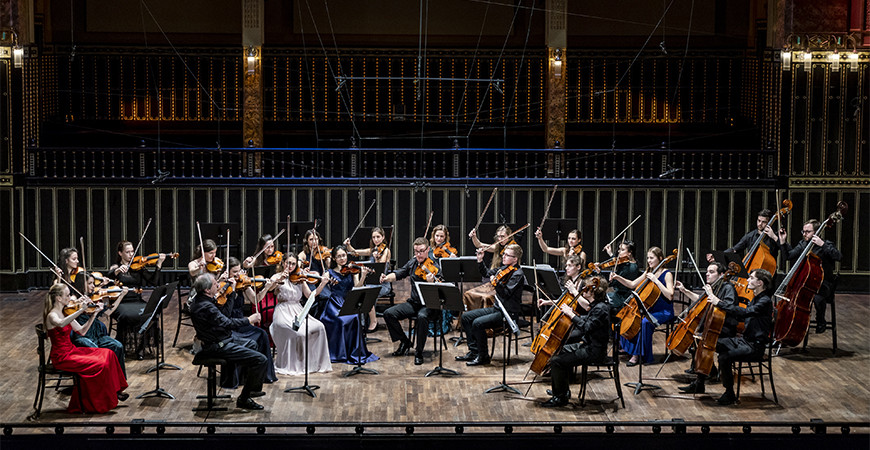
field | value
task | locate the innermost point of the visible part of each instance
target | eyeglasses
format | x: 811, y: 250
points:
x: 807, y: 231
x: 508, y: 254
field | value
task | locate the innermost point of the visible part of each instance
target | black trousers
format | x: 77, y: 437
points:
x: 821, y: 300
x: 731, y: 349
x: 572, y: 355
x: 243, y: 353
x: 475, y: 323
x: 395, y: 313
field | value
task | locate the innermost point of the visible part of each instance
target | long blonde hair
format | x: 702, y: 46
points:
x: 55, y: 291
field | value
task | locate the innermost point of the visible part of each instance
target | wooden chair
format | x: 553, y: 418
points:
x: 610, y: 365
x: 47, y: 373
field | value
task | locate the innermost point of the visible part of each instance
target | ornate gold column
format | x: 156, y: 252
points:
x: 556, y: 100
x: 252, y: 99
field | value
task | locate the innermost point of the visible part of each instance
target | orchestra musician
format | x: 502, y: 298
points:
x: 414, y: 307
x: 439, y: 243
x: 214, y: 330
x: 68, y: 263
x: 829, y: 255
x: 572, y: 283
x: 379, y: 252
x: 203, y: 258
x: 233, y: 308
x: 97, y: 336
x: 626, y: 267
x: 482, y: 296
x: 593, y: 328
x: 662, y: 309
x: 129, y: 312
x: 725, y: 296
x: 761, y: 227
x: 314, y: 254
x: 574, y: 246
x: 269, y: 256
x: 509, y: 290
x: 102, y: 382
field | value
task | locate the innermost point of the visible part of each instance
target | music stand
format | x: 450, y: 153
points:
x: 375, y: 276
x: 297, y: 232
x: 507, y: 324
x: 548, y: 280
x: 305, y: 388
x: 640, y: 385
x: 440, y: 296
x: 359, y: 301
x: 160, y: 295
x: 218, y: 233
x: 464, y: 269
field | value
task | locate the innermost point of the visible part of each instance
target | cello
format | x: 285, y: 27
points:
x: 759, y: 257
x: 550, y: 340
x: 713, y: 319
x: 794, y: 296
x: 647, y: 293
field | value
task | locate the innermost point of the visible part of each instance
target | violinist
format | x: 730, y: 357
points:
x: 724, y: 295
x: 761, y: 227
x: 419, y: 268
x: 68, y: 262
x: 342, y: 332
x: 662, y: 309
x: 214, y: 330
x: 508, y: 281
x: 758, y: 316
x: 102, y: 380
x: 379, y: 253
x: 829, y: 255
x: 315, y: 255
x: 574, y: 246
x: 269, y: 255
x: 129, y: 313
x: 231, y: 375
x: 626, y: 267
x: 97, y: 335
x: 439, y: 242
x: 572, y: 283
x: 497, y: 248
x: 593, y: 328
x: 205, y: 261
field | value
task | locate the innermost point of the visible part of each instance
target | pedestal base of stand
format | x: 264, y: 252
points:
x: 502, y: 388
x: 159, y: 392
x: 457, y: 340
x: 360, y: 369
x: 640, y: 386
x: 438, y: 370
x: 304, y: 390
x: 162, y: 366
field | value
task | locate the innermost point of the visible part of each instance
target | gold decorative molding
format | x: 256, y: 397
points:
x: 828, y: 182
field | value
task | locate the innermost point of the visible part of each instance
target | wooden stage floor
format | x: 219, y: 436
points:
x: 810, y: 385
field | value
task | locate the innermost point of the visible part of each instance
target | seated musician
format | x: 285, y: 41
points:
x: 574, y: 246
x: 758, y: 316
x: 725, y: 295
x: 572, y: 282
x: 214, y: 329
x: 379, y: 252
x: 97, y: 336
x: 482, y: 296
x: 414, y: 306
x: 508, y: 289
x: 626, y: 267
x: 761, y: 227
x: 269, y: 256
x: 593, y: 327
x: 439, y: 242
x: 829, y: 255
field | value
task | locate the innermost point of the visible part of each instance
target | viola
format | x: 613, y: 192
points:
x: 558, y: 326
x: 425, y: 268
x: 275, y: 258
x: 502, y: 276
x: 445, y: 250
x: 225, y: 288
x: 140, y: 262
x: 647, y: 293
x: 215, y: 265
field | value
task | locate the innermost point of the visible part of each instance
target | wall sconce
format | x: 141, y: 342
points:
x: 853, y: 61
x: 557, y: 63
x: 18, y: 57
x: 252, y: 60
x: 835, y: 61
x: 786, y: 60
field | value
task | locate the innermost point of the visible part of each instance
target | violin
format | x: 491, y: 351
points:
x: 224, y: 290
x: 425, y: 268
x: 72, y: 275
x: 502, y: 276
x: 140, y: 262
x: 299, y: 278
x: 215, y: 265
x: 615, y: 261
x: 74, y: 306
x: 244, y: 281
x: 100, y: 280
x: 110, y: 294
x: 275, y: 258
x: 445, y: 250
x: 323, y: 253
x: 576, y: 250
x: 351, y: 268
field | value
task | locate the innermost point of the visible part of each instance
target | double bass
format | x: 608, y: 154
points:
x: 555, y: 330
x: 647, y: 292
x: 794, y: 297
x: 758, y: 257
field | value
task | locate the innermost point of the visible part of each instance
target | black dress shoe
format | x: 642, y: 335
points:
x: 467, y: 357
x: 123, y: 396
x: 693, y: 388
x: 248, y: 403
x: 728, y: 398
x: 418, y: 359
x: 479, y: 361
x: 557, y: 400
x: 257, y: 394
x: 403, y: 349
x: 690, y: 371
x: 821, y: 326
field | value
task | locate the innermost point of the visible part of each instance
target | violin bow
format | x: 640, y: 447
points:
x: 271, y: 241
x: 507, y: 237
x: 142, y: 238
x: 623, y: 231
x: 428, y: 222
x: 84, y: 267
x: 547, y: 211
x: 362, y: 220
x: 53, y: 265
x: 485, y: 208
x: 201, y: 246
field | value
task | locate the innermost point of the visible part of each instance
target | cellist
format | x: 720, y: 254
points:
x: 724, y: 295
x: 762, y: 222
x: 829, y: 255
x: 662, y: 309
x: 593, y: 327
x: 572, y: 283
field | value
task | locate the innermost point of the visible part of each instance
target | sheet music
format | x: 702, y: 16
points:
x: 510, y: 321
x: 308, y: 304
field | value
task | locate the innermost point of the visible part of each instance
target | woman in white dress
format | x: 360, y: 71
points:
x: 290, y: 344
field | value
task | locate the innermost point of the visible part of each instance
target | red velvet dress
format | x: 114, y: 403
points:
x: 100, y: 372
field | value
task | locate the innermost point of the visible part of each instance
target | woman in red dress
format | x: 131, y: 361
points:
x: 102, y: 382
